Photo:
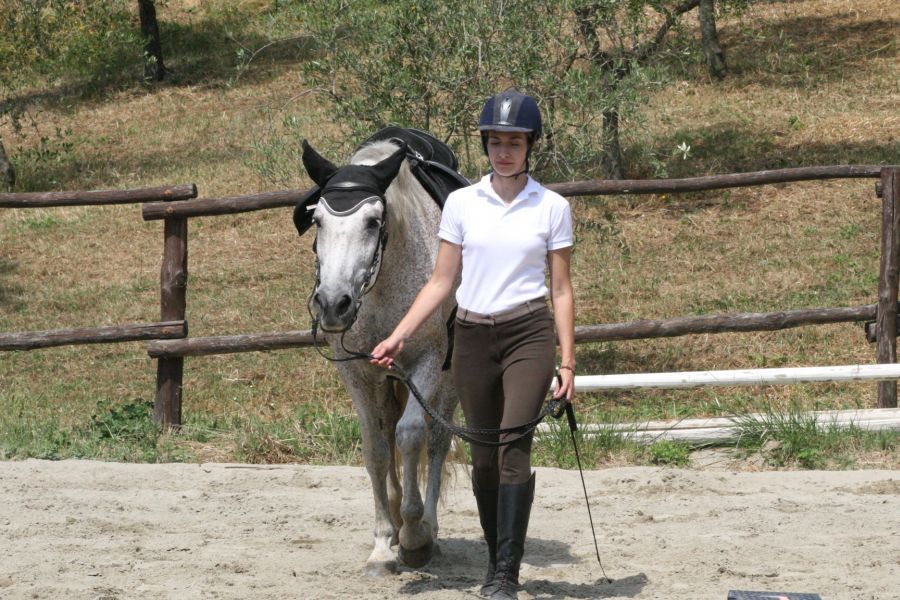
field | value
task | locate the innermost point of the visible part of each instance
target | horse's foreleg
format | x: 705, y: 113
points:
x: 377, y: 453
x: 395, y: 491
x: 439, y: 439
x: 416, y: 536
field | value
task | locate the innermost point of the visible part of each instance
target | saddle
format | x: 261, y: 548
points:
x: 431, y: 161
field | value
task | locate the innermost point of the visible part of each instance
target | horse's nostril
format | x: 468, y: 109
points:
x: 317, y: 300
x: 344, y: 305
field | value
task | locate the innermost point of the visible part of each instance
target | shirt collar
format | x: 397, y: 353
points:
x: 531, y: 190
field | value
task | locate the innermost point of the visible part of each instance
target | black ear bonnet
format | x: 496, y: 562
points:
x: 347, y: 189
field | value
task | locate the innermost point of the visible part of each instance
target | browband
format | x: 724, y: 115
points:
x: 348, y: 211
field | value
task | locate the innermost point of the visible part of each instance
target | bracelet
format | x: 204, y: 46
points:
x: 561, y: 367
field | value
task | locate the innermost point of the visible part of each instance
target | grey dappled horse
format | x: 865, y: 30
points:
x: 350, y: 220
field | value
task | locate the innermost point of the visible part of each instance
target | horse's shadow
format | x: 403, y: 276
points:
x: 460, y: 563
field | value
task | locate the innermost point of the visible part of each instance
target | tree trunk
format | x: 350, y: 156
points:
x: 7, y: 171
x: 154, y: 69
x: 611, y: 160
x: 709, y: 37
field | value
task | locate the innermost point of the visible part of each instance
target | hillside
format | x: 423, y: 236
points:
x: 812, y: 83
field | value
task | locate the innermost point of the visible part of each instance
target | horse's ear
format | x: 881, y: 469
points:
x: 386, y: 170
x: 318, y: 167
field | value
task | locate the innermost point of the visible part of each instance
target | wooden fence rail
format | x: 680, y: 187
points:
x: 97, y: 197
x: 174, y: 204
x: 208, y: 207
x: 132, y: 332
x: 634, y: 330
x: 167, y: 328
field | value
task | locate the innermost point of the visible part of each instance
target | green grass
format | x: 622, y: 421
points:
x: 811, y: 84
x: 795, y: 438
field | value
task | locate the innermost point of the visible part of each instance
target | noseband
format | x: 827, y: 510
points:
x: 374, y: 269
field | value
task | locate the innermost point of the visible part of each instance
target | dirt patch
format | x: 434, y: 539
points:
x: 80, y: 529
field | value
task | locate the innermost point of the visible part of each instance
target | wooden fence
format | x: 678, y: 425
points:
x: 169, y: 343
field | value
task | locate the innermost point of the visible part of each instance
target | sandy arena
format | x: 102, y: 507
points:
x: 81, y: 529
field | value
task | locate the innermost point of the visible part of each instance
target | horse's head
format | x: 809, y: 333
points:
x: 350, y: 223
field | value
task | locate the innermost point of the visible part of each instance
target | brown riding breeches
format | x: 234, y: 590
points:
x: 502, y: 373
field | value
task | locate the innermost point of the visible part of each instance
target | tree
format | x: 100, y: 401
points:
x: 154, y: 68
x: 7, y: 171
x: 621, y: 39
x: 709, y: 39
x: 431, y: 64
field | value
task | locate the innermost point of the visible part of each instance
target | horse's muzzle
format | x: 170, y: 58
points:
x: 336, y: 311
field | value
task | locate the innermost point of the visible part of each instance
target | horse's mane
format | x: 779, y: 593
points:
x: 406, y: 194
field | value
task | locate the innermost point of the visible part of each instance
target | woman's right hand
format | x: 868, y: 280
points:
x: 384, y: 353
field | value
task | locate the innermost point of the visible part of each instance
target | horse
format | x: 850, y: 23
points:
x: 376, y: 245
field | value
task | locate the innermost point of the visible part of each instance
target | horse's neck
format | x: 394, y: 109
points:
x: 409, y: 261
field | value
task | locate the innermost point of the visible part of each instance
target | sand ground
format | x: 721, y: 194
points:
x: 82, y: 529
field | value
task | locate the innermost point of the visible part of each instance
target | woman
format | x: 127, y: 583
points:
x: 502, y: 232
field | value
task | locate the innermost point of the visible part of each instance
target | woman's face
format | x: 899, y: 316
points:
x: 507, y: 151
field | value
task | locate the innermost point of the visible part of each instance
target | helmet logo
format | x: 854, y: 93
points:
x: 505, y: 107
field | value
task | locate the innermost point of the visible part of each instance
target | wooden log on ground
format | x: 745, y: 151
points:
x: 132, y: 332
x: 736, y: 377
x: 886, y: 321
x: 230, y: 344
x: 739, y: 322
x: 98, y: 197
x: 726, y: 429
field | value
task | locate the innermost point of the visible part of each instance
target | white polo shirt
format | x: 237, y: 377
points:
x: 504, y: 248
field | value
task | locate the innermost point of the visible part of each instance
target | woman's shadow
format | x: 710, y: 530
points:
x: 460, y: 564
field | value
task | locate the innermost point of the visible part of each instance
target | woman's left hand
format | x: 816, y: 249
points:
x: 567, y: 389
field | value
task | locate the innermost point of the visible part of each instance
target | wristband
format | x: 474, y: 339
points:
x: 561, y: 367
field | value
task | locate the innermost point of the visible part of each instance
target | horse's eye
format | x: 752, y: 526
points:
x: 373, y: 223
x: 317, y: 222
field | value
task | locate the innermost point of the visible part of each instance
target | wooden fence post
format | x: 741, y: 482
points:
x: 886, y: 324
x: 173, y: 296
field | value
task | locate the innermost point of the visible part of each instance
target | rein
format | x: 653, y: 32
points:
x: 554, y: 407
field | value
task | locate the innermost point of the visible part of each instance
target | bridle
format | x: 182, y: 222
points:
x: 371, y: 276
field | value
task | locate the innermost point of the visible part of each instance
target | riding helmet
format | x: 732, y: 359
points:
x: 510, y: 110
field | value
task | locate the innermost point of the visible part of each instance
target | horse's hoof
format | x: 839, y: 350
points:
x: 416, y: 557
x: 381, y: 569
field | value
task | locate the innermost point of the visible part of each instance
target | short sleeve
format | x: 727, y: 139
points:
x: 560, y: 227
x: 451, y: 226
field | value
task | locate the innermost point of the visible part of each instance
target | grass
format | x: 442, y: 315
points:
x: 794, y: 438
x: 812, y: 82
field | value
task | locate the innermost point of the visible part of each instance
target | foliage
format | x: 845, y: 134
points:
x: 313, y: 434
x: 93, y: 40
x: 554, y: 447
x: 671, y: 453
x: 793, y: 437
x: 123, y: 431
x: 431, y: 65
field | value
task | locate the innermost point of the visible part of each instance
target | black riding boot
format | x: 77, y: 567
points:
x: 514, y: 509
x: 487, y: 514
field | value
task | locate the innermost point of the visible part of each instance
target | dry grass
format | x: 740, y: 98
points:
x: 813, y: 83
